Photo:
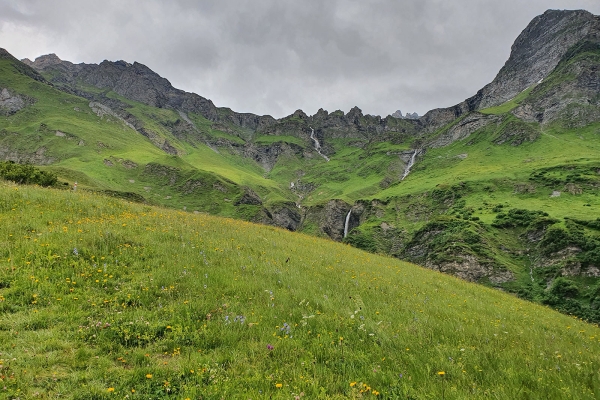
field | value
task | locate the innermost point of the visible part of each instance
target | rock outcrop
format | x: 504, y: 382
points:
x: 534, y: 55
x: 10, y: 103
x: 139, y: 83
x: 463, y: 129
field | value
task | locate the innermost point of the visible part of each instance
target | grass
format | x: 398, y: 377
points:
x: 510, y: 104
x: 101, y: 298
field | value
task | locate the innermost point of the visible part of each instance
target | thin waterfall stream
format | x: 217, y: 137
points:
x: 410, y: 164
x: 317, y: 144
x: 347, y: 223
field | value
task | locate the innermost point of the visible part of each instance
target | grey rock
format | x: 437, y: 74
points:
x: 10, y: 103
x: 38, y: 157
x: 334, y: 219
x: 463, y: 129
x: 286, y: 217
x: 470, y: 269
x: 267, y: 155
x: 138, y: 82
x: 534, y: 54
x: 249, y: 197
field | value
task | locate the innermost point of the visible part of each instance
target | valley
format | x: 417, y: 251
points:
x: 153, y: 244
x: 380, y: 184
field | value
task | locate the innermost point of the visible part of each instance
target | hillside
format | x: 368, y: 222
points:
x: 102, y: 298
x: 501, y: 189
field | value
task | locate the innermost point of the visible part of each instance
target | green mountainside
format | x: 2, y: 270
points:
x: 501, y: 189
x: 100, y: 298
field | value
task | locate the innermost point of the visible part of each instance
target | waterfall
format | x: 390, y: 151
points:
x: 347, y: 223
x: 317, y: 144
x: 410, y: 164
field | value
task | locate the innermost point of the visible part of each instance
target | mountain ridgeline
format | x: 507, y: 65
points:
x: 501, y: 189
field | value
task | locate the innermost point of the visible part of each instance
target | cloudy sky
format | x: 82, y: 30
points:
x: 276, y: 56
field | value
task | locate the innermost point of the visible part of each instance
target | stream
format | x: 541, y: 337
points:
x: 317, y: 144
x: 410, y: 164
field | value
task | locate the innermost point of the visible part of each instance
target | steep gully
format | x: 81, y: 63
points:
x: 410, y: 164
x: 317, y: 144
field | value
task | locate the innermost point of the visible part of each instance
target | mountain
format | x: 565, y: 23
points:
x: 501, y: 189
x: 398, y: 114
x: 534, y: 55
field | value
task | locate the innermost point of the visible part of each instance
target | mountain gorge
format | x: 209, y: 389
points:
x: 501, y: 189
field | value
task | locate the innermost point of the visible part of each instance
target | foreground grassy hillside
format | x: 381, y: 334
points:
x: 101, y: 299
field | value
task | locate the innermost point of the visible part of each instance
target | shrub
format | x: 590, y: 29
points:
x: 563, y: 287
x: 518, y: 218
x: 26, y: 174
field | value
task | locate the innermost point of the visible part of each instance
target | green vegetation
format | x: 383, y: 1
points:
x: 510, y: 104
x: 26, y: 174
x: 510, y: 205
x: 101, y: 299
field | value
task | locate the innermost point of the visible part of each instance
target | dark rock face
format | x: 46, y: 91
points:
x: 574, y: 98
x: 286, y: 217
x: 249, y: 197
x: 10, y: 103
x: 463, y: 129
x: 335, y: 125
x: 334, y: 219
x: 534, y: 54
x: 267, y: 155
x: 138, y: 82
x: 38, y: 157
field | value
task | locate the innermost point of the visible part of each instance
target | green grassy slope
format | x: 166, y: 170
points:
x: 100, y: 298
x: 457, y: 196
x: 105, y: 154
x: 457, y: 193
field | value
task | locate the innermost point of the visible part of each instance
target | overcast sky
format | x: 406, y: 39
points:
x: 276, y: 56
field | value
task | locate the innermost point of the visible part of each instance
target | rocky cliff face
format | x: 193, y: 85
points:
x: 10, y: 102
x: 534, y: 55
x: 572, y: 95
x: 139, y: 83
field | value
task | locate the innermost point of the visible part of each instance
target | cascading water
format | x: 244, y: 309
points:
x: 317, y: 144
x: 410, y: 164
x: 347, y: 223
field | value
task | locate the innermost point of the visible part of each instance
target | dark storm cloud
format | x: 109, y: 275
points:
x: 274, y: 56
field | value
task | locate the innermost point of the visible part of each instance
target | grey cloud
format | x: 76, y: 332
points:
x: 275, y: 56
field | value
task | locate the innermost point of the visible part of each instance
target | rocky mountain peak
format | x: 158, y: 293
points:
x: 354, y: 113
x: 536, y: 52
x: 534, y: 55
x: 5, y: 54
x: 300, y: 114
x: 397, y: 114
x: 44, y: 61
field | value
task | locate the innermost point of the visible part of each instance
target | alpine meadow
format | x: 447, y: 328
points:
x: 154, y: 245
